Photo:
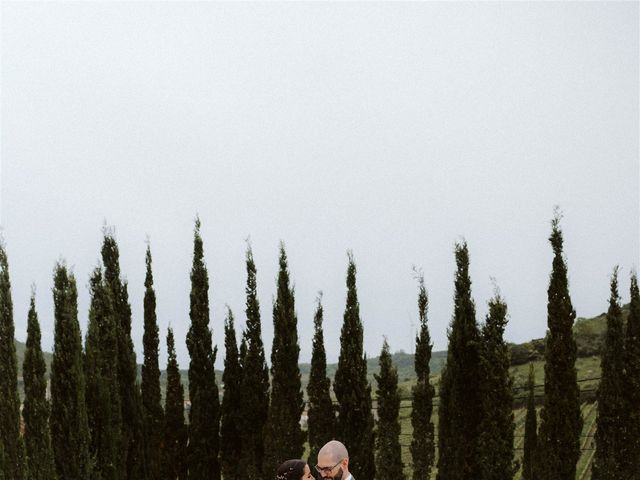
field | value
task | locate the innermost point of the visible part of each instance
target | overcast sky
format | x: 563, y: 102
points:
x: 391, y: 129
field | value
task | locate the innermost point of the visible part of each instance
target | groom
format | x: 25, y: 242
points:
x: 333, y: 462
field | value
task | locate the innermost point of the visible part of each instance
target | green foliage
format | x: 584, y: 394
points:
x: 388, y: 455
x: 151, y: 397
x: 69, y: 423
x: 284, y: 438
x: 632, y: 380
x: 103, y: 397
x: 355, y: 420
x: 9, y: 401
x: 37, y: 436
x: 255, y: 381
x: 321, y: 412
x: 560, y: 418
x: 524, y: 353
x: 422, y: 442
x: 529, y: 456
x: 204, y: 443
x: 231, y: 415
x: 132, y: 462
x: 175, y: 430
x: 496, y: 428
x: 461, y: 385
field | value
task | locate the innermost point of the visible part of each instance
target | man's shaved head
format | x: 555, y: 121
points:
x: 334, y: 450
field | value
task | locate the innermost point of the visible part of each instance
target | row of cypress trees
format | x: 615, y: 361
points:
x: 475, y: 435
x: 104, y: 425
x: 100, y: 423
x: 552, y: 450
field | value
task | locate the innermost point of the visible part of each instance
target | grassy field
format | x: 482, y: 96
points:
x: 587, y: 440
x: 588, y: 370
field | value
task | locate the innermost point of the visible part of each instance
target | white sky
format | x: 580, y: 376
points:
x: 392, y: 129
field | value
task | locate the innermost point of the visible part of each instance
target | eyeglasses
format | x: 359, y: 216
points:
x: 327, y: 470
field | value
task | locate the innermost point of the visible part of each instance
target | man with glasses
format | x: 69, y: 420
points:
x: 333, y: 462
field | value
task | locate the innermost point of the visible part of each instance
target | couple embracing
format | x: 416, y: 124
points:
x: 333, y: 464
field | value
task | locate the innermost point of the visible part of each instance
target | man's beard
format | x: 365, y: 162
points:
x: 338, y: 476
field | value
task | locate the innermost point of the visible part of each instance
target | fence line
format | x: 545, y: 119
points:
x: 514, y: 389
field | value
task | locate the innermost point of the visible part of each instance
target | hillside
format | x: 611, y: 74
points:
x: 588, y: 332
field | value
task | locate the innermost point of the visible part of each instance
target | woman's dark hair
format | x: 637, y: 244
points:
x: 291, y: 470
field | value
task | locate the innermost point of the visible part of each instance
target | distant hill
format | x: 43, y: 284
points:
x: 403, y: 361
x: 589, y: 334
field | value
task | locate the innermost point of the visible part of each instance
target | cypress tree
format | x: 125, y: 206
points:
x: 255, y: 381
x: 321, y: 413
x: 284, y: 438
x: 497, y: 427
x: 355, y: 420
x: 103, y: 398
x: 132, y: 462
x: 204, y: 416
x: 175, y: 430
x: 9, y: 401
x: 632, y: 379
x: 610, y: 458
x: 422, y: 442
x: 37, y: 436
x: 529, y: 456
x: 460, y: 385
x: 388, y: 455
x: 560, y: 417
x: 69, y: 424
x: 151, y: 397
x: 231, y: 415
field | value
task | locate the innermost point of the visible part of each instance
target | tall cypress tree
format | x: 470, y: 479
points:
x: 529, y: 455
x: 321, y: 413
x: 560, y: 417
x: 284, y: 438
x: 132, y: 465
x: 9, y: 401
x: 69, y: 424
x: 632, y: 381
x: 103, y: 397
x: 497, y: 427
x: 37, y: 436
x: 151, y: 397
x: 610, y: 458
x: 355, y: 420
x: 422, y: 443
x: 460, y: 384
x: 175, y: 430
x: 204, y: 427
x: 255, y: 381
x: 231, y: 414
x: 388, y: 454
